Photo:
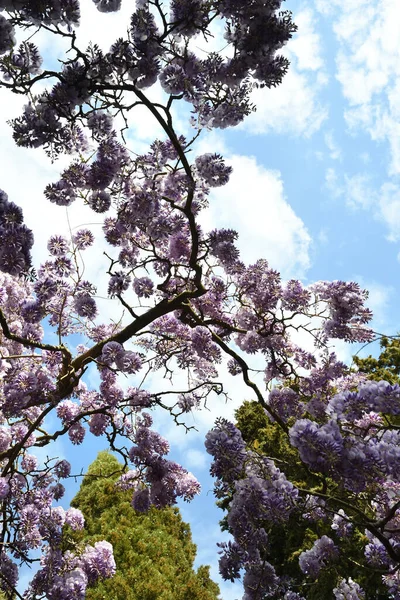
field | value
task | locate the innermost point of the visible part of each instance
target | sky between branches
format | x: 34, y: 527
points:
x: 315, y: 188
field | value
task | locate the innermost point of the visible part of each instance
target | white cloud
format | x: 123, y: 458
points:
x: 254, y: 203
x: 368, y: 67
x: 389, y: 205
x: 378, y: 301
x: 335, y: 151
x: 195, y: 459
x: 293, y: 107
x: 306, y: 44
x: 332, y: 183
x: 359, y: 192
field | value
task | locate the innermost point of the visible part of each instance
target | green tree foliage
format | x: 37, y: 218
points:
x: 387, y: 366
x: 288, y: 540
x: 154, y: 552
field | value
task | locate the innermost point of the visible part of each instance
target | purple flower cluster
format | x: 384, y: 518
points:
x: 7, y: 37
x: 213, y: 169
x: 320, y: 447
x: 373, y: 396
x: 165, y: 479
x: 348, y: 316
x: 225, y: 443
x: 348, y: 590
x: 322, y: 554
x: 260, y: 494
x: 16, y: 239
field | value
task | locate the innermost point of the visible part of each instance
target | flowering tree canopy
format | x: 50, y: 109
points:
x: 191, y: 306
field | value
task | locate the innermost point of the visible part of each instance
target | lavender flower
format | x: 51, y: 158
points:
x: 58, y: 245
x: 62, y: 469
x: 4, y: 488
x: 129, y: 362
x: 5, y: 439
x: 7, y: 37
x: 143, y: 287
x: 100, y: 201
x: 98, y: 561
x: 348, y: 590
x: 319, y: 556
x: 112, y: 351
x: 83, y: 239
x: 74, y: 518
x: 119, y: 283
x: 212, y: 168
x: 85, y: 306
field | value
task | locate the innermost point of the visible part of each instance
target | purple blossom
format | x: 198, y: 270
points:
x: 320, y: 447
x: 143, y: 287
x: 58, y: 491
x: 5, y: 439
x: 139, y: 398
x: 98, y: 424
x: 63, y: 266
x: 232, y: 559
x: 259, y: 581
x: 294, y: 296
x: 62, y: 469
x: 98, y: 561
x: 225, y: 443
x: 129, y: 362
x: 83, y: 239
x: 119, y: 283
x: 29, y: 462
x: 58, y: 245
x: 189, y: 16
x: 100, y: 123
x: 376, y: 554
x: 285, y: 403
x: 213, y: 169
x: 76, y: 433
x: 222, y: 246
x: 99, y: 201
x: 141, y: 500
x: 85, y: 306
x: 188, y: 402
x: 319, y: 556
x: 33, y: 312
x: 341, y: 524
x: 74, y: 518
x: 111, y: 352
x: 69, y: 586
x: 107, y: 5
x: 7, y: 37
x: 348, y: 590
x: 27, y: 60
x: 4, y: 488
x: 173, y: 79
x: 9, y: 572
x: 60, y: 193
x: 128, y: 481
x: 67, y: 411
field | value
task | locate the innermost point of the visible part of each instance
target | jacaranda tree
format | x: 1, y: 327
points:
x: 192, y: 308
x: 153, y: 551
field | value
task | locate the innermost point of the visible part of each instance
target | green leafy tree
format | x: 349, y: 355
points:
x: 154, y: 552
x: 387, y: 366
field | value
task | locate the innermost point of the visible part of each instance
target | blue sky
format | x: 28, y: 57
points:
x: 315, y: 187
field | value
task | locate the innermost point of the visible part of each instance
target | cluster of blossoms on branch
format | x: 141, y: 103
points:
x: 190, y: 305
x: 344, y: 478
